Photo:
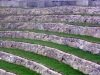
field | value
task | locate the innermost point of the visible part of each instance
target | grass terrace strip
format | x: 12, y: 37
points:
x: 85, y: 55
x: 19, y: 70
x: 83, y: 37
x: 52, y: 63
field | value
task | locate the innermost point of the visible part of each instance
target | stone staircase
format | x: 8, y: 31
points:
x: 50, y: 41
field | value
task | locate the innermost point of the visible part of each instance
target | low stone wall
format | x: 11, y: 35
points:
x: 39, y: 68
x: 83, y: 65
x: 3, y: 72
x: 56, y: 27
x: 52, y: 10
x: 73, y: 42
x: 55, y: 18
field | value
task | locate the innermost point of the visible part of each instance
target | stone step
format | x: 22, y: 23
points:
x: 3, y: 72
x: 73, y: 42
x: 76, y: 62
x: 39, y: 68
x: 51, y: 10
x: 55, y: 27
x: 67, y: 18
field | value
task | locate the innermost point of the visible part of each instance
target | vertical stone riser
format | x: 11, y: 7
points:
x: 52, y: 10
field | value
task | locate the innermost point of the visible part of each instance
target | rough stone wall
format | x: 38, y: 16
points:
x: 39, y: 68
x: 42, y: 3
x: 83, y: 65
x: 3, y: 72
x: 54, y: 18
x: 73, y: 42
x: 63, y: 9
x: 56, y: 27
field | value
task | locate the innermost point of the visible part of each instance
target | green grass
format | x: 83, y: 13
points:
x: 71, y: 50
x: 84, y: 37
x: 49, y: 62
x: 19, y: 70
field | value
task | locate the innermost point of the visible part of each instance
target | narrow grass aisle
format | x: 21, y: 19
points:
x: 84, y: 37
x: 67, y: 49
x: 19, y: 70
x: 49, y: 62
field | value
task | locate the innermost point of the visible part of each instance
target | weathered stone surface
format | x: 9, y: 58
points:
x: 3, y: 72
x: 56, y: 27
x: 83, y: 65
x: 39, y: 68
x: 52, y: 10
x: 58, y: 18
x: 73, y: 42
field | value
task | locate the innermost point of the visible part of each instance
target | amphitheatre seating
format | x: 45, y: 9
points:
x: 50, y: 41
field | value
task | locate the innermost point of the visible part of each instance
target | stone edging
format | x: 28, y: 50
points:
x: 56, y: 27
x: 39, y: 68
x: 73, y: 42
x: 3, y: 72
x: 80, y: 64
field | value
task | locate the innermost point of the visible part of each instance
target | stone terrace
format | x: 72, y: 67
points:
x: 48, y: 34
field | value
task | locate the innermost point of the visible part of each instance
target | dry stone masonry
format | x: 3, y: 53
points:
x: 52, y: 10
x: 54, y: 18
x: 39, y: 68
x: 83, y: 65
x: 3, y: 72
x: 51, y: 19
x: 56, y: 27
x: 73, y: 42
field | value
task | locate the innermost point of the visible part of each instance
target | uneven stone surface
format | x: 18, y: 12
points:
x: 67, y: 18
x: 52, y: 10
x: 83, y: 65
x: 56, y: 27
x: 3, y: 72
x: 39, y: 68
x: 73, y: 42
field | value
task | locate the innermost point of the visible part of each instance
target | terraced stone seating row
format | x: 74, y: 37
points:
x: 72, y: 60
x: 36, y: 43
x: 73, y: 42
x: 55, y: 18
x: 52, y: 10
x: 55, y: 27
x: 27, y: 63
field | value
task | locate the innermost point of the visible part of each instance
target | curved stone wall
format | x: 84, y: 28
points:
x: 83, y: 65
x: 73, y: 42
x: 3, y: 72
x: 39, y: 68
x: 58, y: 18
x: 53, y: 10
x: 56, y: 27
